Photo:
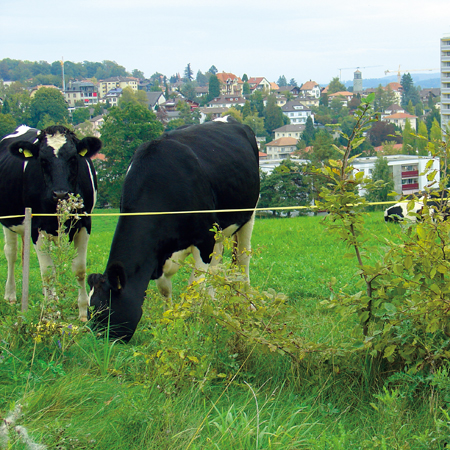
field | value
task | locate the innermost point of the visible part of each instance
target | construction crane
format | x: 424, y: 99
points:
x: 406, y: 71
x: 349, y: 68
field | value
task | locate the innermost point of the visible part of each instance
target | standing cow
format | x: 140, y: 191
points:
x: 38, y: 168
x: 213, y: 166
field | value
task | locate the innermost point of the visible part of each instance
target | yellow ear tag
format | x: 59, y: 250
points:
x: 27, y: 154
x: 83, y: 152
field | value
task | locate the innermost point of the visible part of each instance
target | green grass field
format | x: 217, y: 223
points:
x: 79, y: 392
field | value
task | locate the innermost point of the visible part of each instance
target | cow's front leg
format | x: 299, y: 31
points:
x: 11, y: 258
x: 80, y: 241
x: 45, y: 264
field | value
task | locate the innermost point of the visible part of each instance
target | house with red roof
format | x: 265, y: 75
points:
x: 229, y: 83
x: 281, y: 148
x: 399, y: 120
x: 259, y: 84
x: 310, y: 89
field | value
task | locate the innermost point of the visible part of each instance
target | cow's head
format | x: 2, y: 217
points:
x: 112, y: 302
x: 58, y: 152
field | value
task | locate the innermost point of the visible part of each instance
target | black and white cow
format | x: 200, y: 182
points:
x: 213, y: 166
x: 37, y: 168
x: 437, y: 201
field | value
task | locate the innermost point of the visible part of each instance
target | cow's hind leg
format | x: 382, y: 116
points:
x: 170, y: 268
x: 11, y: 258
x: 243, y: 250
x: 80, y: 242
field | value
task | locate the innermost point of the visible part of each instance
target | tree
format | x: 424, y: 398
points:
x: 245, y: 88
x: 322, y: 150
x: 335, y: 86
x: 138, y: 74
x: 409, y: 140
x: 256, y: 123
x: 122, y: 132
x: 422, y: 143
x: 7, y: 124
x: 213, y: 70
x: 17, y: 100
x: 244, y: 78
x: 233, y: 112
x: 383, y: 174
x: 48, y: 105
x: 188, y: 73
x: 80, y: 115
x: 292, y: 82
x: 273, y: 115
x: 282, y: 81
x: 129, y: 96
x: 309, y: 132
x: 382, y: 131
x: 410, y: 92
x: 257, y: 102
x: 213, y: 87
x: 188, y: 90
x: 287, y: 185
x: 435, y: 132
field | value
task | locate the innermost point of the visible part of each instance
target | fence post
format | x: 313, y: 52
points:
x: 26, y: 259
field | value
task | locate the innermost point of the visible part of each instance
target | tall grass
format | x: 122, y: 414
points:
x: 85, y: 393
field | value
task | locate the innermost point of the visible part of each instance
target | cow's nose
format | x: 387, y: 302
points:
x: 60, y: 195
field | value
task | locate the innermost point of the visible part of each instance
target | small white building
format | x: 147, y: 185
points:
x: 407, y: 171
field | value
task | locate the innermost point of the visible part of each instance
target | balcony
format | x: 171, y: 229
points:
x: 410, y: 187
x: 410, y: 174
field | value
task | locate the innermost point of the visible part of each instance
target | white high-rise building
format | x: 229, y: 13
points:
x: 445, y: 82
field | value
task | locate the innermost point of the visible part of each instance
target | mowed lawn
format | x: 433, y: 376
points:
x: 94, y: 395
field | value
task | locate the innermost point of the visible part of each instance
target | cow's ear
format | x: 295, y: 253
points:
x: 24, y: 150
x: 116, y: 276
x: 94, y: 279
x: 89, y: 146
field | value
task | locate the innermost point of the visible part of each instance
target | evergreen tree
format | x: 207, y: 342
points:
x: 282, y: 81
x: 422, y: 143
x: 292, y: 82
x: 213, y: 87
x: 188, y: 73
x: 309, y: 132
x: 409, y: 93
x: 409, y: 141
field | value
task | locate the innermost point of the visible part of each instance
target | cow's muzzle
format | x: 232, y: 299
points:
x: 60, y: 195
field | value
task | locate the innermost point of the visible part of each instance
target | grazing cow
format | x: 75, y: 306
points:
x: 437, y: 201
x: 38, y: 168
x: 213, y: 166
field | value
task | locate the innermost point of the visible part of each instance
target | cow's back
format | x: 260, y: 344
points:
x: 12, y: 176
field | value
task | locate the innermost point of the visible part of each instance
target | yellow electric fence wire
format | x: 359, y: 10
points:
x: 160, y: 213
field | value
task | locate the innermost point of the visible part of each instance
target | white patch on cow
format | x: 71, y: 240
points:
x: 19, y: 132
x: 11, y: 257
x: 222, y: 119
x: 56, y: 141
x: 93, y: 186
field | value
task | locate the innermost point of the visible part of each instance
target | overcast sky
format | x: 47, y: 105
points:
x: 299, y: 39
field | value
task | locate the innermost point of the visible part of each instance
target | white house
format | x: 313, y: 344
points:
x: 297, y: 112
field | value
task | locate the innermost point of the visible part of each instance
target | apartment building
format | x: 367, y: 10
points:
x: 445, y: 81
x: 408, y: 171
x: 105, y: 86
x: 81, y: 91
